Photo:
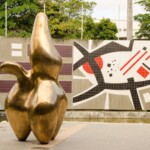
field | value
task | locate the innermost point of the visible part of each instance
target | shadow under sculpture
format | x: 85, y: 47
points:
x: 37, y: 102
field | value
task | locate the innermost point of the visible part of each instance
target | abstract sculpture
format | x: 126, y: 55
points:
x: 37, y: 102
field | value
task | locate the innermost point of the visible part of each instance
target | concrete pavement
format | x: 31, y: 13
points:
x: 84, y: 136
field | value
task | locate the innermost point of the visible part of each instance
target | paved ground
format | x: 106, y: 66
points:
x: 84, y: 136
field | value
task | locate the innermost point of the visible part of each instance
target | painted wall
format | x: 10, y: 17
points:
x: 96, y: 75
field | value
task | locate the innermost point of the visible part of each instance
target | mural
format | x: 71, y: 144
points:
x: 96, y: 75
x: 113, y: 76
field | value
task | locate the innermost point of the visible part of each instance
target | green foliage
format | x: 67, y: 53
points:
x: 20, y: 17
x: 145, y: 4
x: 63, y: 16
x: 144, y: 19
x: 64, y: 19
x: 74, y: 8
x: 105, y: 30
x: 89, y: 28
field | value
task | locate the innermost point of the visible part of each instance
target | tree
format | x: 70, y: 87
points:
x: 20, y: 18
x: 65, y: 19
x: 145, y: 4
x: 105, y: 30
x: 64, y: 16
x: 89, y: 28
x: 144, y: 19
x: 74, y: 8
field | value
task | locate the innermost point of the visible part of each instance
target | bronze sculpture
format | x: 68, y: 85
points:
x: 37, y: 102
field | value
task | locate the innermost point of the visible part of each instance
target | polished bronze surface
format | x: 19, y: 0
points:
x: 16, y: 111
x: 37, y: 102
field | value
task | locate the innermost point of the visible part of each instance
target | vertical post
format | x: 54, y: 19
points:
x: 5, y: 19
x: 82, y: 23
x: 129, y: 20
x: 118, y: 21
x: 44, y: 6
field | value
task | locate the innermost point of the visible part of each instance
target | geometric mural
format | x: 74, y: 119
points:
x: 113, y: 76
x: 108, y: 75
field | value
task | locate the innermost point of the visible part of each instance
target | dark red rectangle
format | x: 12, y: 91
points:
x: 25, y: 65
x: 66, y: 68
x: 5, y: 86
x: 64, y: 51
x: 66, y: 85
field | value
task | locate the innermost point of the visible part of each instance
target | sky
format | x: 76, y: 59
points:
x: 110, y: 9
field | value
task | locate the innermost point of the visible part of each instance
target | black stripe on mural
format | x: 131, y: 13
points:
x: 5, y: 86
x: 65, y: 70
x: 146, y: 66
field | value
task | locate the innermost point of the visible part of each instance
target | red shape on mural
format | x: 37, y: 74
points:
x: 147, y: 57
x: 143, y: 72
x: 99, y: 62
x: 88, y: 68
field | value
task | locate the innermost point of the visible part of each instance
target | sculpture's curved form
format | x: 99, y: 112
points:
x: 37, y: 102
x: 49, y: 99
x: 15, y: 104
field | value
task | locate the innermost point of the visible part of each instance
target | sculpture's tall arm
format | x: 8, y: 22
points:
x: 44, y: 57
